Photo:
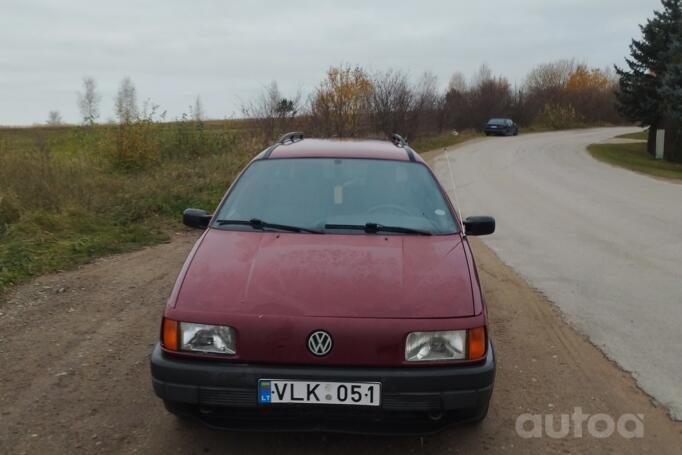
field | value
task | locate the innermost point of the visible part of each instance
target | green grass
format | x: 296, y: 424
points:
x: 439, y: 141
x: 634, y: 156
x: 641, y: 135
x: 42, y: 244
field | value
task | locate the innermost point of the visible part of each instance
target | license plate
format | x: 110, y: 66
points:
x: 311, y: 392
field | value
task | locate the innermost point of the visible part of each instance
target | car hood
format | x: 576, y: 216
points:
x: 345, y: 276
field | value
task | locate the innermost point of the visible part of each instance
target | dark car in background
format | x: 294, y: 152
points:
x: 501, y: 127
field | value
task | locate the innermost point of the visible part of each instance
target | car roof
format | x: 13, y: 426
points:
x: 339, y: 148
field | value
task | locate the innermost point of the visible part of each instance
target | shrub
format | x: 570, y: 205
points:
x: 136, y: 144
x: 9, y: 210
x: 558, y: 116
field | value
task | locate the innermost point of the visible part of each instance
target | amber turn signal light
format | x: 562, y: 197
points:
x: 169, y: 334
x: 476, y: 344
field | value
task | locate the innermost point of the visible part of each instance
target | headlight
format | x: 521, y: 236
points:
x: 202, y: 338
x: 210, y: 339
x: 422, y: 346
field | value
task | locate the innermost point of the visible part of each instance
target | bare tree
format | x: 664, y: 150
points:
x: 54, y: 118
x: 426, y: 91
x: 198, y: 110
x: 457, y: 82
x: 429, y: 104
x: 456, y: 109
x: 489, y: 96
x: 481, y: 76
x: 271, y: 111
x: 546, y: 84
x: 88, y: 101
x: 126, y: 102
x: 549, y: 77
x: 392, y: 103
x: 455, y: 102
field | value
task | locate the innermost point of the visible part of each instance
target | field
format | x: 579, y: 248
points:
x: 67, y: 194
x: 70, y: 194
x: 634, y: 156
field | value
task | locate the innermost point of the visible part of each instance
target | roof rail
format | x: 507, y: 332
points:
x: 398, y: 140
x: 401, y: 142
x: 292, y: 137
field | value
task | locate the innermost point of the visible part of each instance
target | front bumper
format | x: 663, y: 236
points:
x: 414, y: 400
x: 502, y: 131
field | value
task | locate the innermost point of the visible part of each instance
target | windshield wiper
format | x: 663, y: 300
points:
x: 373, y: 228
x: 260, y: 224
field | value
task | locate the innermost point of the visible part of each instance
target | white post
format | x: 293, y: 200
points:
x: 660, y: 142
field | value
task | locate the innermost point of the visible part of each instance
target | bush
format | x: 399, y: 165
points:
x: 558, y: 116
x: 9, y: 210
x: 136, y: 144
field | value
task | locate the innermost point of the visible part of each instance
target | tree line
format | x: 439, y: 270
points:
x: 126, y: 106
x: 350, y: 101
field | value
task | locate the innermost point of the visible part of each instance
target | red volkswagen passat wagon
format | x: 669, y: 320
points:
x: 333, y: 289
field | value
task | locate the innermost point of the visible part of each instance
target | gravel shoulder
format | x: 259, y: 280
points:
x: 74, y: 352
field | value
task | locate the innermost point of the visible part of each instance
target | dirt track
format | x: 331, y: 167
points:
x: 75, y: 378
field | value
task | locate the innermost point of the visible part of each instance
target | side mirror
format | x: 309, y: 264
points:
x: 196, y: 218
x: 479, y: 225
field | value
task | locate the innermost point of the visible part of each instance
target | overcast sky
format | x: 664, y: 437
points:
x: 225, y: 51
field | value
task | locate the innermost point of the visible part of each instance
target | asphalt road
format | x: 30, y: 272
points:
x: 602, y: 243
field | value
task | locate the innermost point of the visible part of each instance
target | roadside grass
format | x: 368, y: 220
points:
x: 633, y: 156
x: 446, y: 139
x: 72, y: 194
x: 65, y: 199
x: 641, y: 135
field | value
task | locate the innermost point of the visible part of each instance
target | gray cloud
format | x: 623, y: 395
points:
x: 225, y: 51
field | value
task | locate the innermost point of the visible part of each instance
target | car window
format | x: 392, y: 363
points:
x: 497, y: 121
x: 314, y: 192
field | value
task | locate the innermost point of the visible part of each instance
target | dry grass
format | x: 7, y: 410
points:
x: 426, y: 144
x: 66, y: 196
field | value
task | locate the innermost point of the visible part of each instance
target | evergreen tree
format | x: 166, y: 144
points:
x: 639, y: 97
x: 671, y: 98
x: 671, y: 83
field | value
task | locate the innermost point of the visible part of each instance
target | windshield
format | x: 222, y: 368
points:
x: 331, y: 195
x: 497, y: 121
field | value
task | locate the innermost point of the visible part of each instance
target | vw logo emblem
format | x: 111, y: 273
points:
x: 320, y: 343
